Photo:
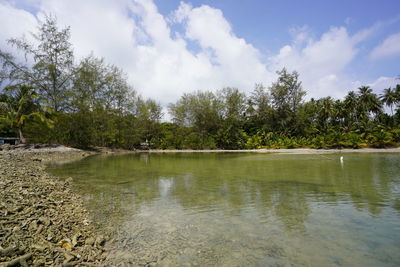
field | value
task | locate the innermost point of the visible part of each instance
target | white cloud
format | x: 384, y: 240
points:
x: 136, y: 37
x: 323, y: 63
x: 160, y: 63
x: 99, y: 26
x: 375, y: 28
x: 382, y: 83
x: 14, y: 23
x: 232, y: 59
x: 390, y: 47
x: 320, y: 62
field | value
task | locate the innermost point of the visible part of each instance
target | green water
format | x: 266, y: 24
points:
x: 243, y: 209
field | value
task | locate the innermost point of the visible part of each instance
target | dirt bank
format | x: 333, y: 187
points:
x: 42, y: 221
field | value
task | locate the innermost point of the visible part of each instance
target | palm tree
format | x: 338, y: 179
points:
x: 350, y: 105
x: 369, y: 101
x: 397, y: 95
x: 389, y: 98
x: 339, y: 112
x: 22, y: 108
x: 325, y: 111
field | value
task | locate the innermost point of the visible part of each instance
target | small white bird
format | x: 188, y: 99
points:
x: 341, y: 159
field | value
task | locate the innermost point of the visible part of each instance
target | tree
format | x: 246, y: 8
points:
x: 118, y: 91
x: 233, y: 103
x: 203, y: 112
x: 397, y: 93
x: 261, y: 100
x: 230, y: 133
x: 88, y: 83
x: 148, y: 114
x: 389, y: 98
x: 287, y: 92
x: 287, y: 96
x: 339, y: 113
x: 308, y: 116
x: 325, y: 111
x: 148, y: 110
x: 350, y: 105
x: 53, y: 63
x: 22, y: 108
x: 369, y: 102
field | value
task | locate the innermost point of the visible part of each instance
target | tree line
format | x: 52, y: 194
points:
x: 49, y: 98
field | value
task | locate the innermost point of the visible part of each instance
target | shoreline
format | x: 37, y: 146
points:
x: 280, y: 151
x: 109, y: 150
x: 289, y: 151
x: 43, y: 221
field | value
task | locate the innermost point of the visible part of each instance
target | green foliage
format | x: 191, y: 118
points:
x: 93, y: 104
x: 53, y: 61
x: 21, y: 108
x: 287, y: 97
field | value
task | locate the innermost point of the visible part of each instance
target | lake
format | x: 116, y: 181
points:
x: 245, y: 209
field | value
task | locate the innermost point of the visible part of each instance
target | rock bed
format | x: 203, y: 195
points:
x: 42, y: 221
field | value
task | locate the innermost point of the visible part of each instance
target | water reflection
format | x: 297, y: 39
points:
x: 247, y: 208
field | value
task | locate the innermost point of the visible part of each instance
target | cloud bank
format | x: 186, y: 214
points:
x: 195, y: 48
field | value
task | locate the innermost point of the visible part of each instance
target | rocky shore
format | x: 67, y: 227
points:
x: 42, y: 221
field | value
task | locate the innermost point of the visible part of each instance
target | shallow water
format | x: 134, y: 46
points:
x: 246, y: 209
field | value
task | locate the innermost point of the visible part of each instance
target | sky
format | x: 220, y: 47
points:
x: 170, y: 47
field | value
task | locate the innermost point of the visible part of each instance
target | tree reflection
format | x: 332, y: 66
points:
x: 283, y: 186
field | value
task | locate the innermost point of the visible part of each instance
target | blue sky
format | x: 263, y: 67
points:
x: 267, y: 24
x: 171, y: 47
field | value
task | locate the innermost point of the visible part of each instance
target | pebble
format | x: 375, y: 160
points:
x: 42, y: 220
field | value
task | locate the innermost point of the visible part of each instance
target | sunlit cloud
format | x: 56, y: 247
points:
x: 161, y: 63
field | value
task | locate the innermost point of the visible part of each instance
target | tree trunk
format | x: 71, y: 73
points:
x: 21, y: 136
